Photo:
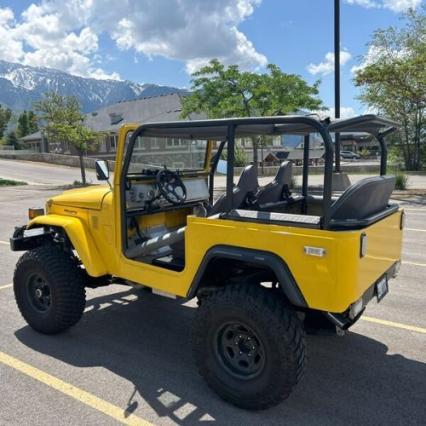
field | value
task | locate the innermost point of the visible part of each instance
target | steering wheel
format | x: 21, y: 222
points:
x: 171, y: 187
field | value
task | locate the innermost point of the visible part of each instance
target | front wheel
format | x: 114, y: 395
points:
x: 49, y: 289
x: 248, y: 346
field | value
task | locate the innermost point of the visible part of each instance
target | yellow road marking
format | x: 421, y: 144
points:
x: 414, y: 229
x: 405, y: 262
x: 78, y: 394
x: 5, y: 286
x: 4, y: 242
x: 394, y: 324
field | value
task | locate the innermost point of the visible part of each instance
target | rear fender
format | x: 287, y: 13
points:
x: 257, y: 258
x: 80, y: 238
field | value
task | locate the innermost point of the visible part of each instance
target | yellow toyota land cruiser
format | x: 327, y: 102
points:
x: 264, y: 262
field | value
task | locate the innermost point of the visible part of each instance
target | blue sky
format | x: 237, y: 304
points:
x: 162, y: 41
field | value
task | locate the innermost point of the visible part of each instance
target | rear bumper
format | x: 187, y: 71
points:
x: 345, y: 319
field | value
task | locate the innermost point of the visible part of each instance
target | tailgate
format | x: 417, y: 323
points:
x: 384, y: 245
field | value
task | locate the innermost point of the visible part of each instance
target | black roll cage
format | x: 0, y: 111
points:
x: 226, y: 130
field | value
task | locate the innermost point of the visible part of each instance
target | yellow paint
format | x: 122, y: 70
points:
x: 72, y: 391
x: 394, y: 324
x: 5, y: 286
x: 330, y: 283
x: 89, y: 197
x: 76, y: 227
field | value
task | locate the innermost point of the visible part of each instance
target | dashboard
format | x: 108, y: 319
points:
x: 146, y: 195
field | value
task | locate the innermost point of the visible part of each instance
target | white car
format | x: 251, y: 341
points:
x: 349, y: 155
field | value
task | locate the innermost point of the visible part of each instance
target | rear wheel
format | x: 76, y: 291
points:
x: 49, y: 289
x: 248, y: 346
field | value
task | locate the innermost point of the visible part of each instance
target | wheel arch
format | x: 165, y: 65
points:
x: 262, y: 259
x: 80, y: 238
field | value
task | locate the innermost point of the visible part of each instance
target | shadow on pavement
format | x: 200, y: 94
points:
x: 146, y: 340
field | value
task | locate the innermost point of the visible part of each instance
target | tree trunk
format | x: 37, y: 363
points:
x: 82, y: 168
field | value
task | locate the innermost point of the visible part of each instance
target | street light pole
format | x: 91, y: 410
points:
x: 337, y: 78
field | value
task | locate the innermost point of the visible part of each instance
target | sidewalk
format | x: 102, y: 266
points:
x: 414, y: 181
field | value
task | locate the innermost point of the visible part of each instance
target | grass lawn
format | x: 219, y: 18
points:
x: 9, y: 182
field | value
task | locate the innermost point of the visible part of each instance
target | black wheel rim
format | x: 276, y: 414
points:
x: 239, y: 350
x: 39, y: 292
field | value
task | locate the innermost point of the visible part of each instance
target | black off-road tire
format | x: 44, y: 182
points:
x: 57, y: 277
x: 271, y: 322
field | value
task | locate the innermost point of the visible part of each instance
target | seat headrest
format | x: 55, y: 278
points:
x: 364, y: 198
x: 248, y: 179
x: 284, y: 173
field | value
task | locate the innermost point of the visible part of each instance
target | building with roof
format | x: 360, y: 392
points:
x: 107, y: 121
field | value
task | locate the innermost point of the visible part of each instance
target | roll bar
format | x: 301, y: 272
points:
x: 228, y: 129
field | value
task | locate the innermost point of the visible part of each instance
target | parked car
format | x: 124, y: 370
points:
x: 349, y: 155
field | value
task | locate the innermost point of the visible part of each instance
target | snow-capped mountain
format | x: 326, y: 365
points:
x: 21, y: 85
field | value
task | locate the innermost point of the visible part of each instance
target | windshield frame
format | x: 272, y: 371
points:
x: 131, y: 150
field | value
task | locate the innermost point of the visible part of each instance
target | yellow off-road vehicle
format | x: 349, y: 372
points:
x: 264, y: 262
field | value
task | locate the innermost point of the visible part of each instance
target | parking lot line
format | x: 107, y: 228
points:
x: 394, y: 324
x: 406, y: 262
x: 4, y: 242
x: 415, y: 229
x: 78, y: 394
x: 5, y: 286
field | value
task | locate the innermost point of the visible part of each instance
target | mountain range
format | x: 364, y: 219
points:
x: 22, y: 85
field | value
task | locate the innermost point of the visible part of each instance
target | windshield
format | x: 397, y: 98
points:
x: 153, y: 153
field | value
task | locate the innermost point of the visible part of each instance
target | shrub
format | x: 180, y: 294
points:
x: 401, y: 180
x: 10, y: 182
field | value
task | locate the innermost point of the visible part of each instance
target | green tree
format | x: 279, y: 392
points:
x: 11, y: 139
x: 219, y: 91
x: 63, y: 122
x: 23, y: 128
x: 393, y: 81
x: 32, y: 122
x: 5, y: 114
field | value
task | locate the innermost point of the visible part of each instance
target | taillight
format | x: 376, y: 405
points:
x: 402, y: 220
x: 363, y: 245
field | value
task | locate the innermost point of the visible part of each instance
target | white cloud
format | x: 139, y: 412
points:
x: 394, y: 5
x: 364, y: 3
x: 10, y: 48
x: 401, y: 5
x: 345, y: 112
x: 327, y: 66
x: 195, y: 32
x: 63, y: 35
x: 375, y: 53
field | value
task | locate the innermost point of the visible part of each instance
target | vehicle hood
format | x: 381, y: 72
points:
x: 90, y: 197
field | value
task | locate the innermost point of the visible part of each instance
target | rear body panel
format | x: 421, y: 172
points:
x: 329, y: 283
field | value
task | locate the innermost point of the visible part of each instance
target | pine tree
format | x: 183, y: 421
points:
x: 32, y: 122
x: 12, y: 140
x: 23, y: 128
x: 5, y: 114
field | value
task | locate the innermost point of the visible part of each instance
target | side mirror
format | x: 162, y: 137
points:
x: 102, y: 170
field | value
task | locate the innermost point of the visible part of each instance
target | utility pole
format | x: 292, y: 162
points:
x: 337, y: 79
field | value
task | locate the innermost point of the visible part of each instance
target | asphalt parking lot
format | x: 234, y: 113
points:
x: 129, y: 358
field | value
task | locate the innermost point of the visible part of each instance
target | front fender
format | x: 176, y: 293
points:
x: 80, y: 238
